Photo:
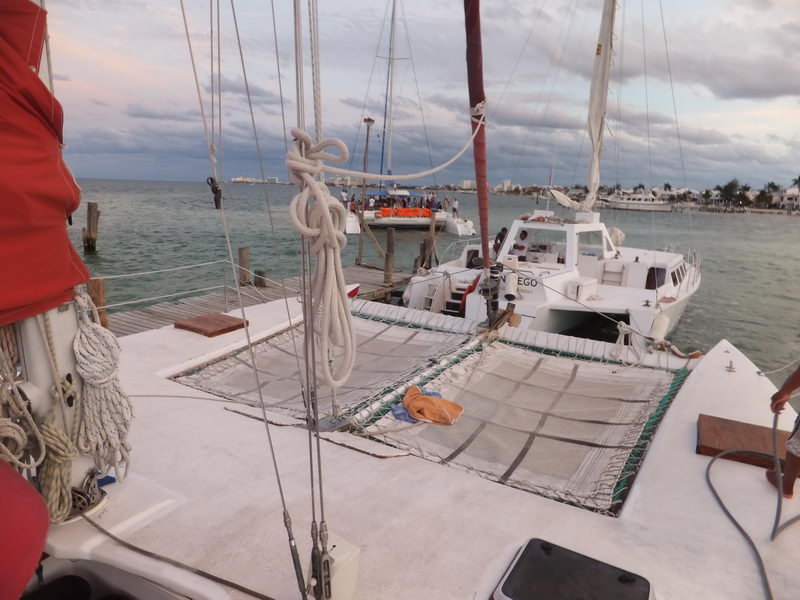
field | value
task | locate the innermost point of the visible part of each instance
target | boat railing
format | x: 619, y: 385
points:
x: 451, y: 246
x: 223, y: 285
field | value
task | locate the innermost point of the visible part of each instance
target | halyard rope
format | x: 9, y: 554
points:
x: 320, y: 219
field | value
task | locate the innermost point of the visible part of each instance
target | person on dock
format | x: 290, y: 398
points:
x: 791, y: 466
x: 455, y: 208
x: 372, y: 202
x: 343, y: 196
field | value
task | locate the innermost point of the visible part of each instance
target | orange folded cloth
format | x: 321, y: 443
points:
x: 431, y: 408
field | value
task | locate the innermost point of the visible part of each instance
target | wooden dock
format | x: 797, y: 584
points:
x: 370, y: 280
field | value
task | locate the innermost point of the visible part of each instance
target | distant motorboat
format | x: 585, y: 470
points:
x: 638, y: 201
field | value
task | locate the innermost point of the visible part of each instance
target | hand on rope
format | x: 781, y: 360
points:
x: 322, y: 223
x: 107, y: 412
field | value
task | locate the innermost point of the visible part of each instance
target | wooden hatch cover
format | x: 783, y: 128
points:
x: 715, y: 435
x: 210, y: 324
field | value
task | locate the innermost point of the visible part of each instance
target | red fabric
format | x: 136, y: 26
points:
x: 37, y: 191
x: 23, y: 530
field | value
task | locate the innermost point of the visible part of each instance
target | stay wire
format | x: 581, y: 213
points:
x: 416, y: 83
x: 369, y: 85
x: 226, y: 230
x: 280, y: 79
x: 262, y: 170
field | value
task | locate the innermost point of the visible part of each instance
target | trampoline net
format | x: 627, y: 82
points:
x: 385, y: 353
x: 568, y: 429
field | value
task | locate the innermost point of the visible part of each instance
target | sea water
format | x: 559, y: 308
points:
x: 750, y: 263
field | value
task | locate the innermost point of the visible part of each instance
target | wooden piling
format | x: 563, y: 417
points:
x: 97, y: 292
x: 92, y: 223
x: 388, y: 265
x: 244, y: 265
x: 260, y: 278
x: 432, y: 238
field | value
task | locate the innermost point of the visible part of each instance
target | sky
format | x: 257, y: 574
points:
x: 731, y: 76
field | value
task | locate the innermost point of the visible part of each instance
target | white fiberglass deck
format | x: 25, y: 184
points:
x: 424, y: 530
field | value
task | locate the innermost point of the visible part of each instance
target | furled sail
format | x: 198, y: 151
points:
x: 598, y: 97
x: 37, y: 191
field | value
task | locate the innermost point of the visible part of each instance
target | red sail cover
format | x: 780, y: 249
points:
x: 37, y: 191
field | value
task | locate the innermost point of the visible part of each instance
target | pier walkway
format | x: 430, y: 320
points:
x: 370, y: 280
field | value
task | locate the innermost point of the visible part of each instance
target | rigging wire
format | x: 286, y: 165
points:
x: 620, y: 82
x: 369, y: 86
x: 280, y: 79
x: 416, y: 83
x: 565, y: 30
x: 226, y: 230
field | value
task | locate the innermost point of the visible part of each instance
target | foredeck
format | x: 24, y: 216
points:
x: 425, y: 530
x: 155, y: 316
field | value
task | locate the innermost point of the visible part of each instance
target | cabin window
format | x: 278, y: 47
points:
x: 543, y: 245
x: 590, y: 243
x: 674, y: 278
x: 679, y: 274
x: 656, y: 276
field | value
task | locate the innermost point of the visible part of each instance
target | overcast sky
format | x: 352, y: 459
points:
x: 124, y: 77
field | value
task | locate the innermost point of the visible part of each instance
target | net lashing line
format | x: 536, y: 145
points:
x: 608, y: 488
x: 581, y: 348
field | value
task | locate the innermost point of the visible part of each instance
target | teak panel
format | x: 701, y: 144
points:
x: 211, y: 324
x: 715, y: 435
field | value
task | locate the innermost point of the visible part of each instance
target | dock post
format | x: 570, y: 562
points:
x: 388, y: 265
x: 244, y: 265
x: 97, y: 292
x: 260, y: 278
x: 90, y: 231
x: 432, y: 238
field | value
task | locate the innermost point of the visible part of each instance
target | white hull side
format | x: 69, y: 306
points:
x: 644, y: 206
x: 459, y: 227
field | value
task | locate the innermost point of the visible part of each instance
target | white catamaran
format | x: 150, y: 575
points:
x: 569, y: 471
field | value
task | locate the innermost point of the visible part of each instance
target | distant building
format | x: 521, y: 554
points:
x: 271, y: 180
x: 787, y: 199
x: 468, y: 184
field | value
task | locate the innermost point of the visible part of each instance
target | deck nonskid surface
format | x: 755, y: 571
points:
x: 428, y: 531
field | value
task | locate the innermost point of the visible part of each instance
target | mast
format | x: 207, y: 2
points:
x: 598, y: 97
x: 477, y: 103
x: 388, y: 109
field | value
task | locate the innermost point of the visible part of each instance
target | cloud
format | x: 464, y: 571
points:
x: 99, y: 102
x: 236, y: 86
x: 165, y: 114
x: 61, y: 77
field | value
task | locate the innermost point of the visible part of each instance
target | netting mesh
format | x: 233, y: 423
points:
x: 385, y: 353
x: 560, y: 427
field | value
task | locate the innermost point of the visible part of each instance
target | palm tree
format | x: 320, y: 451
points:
x: 728, y: 191
x: 796, y: 181
x: 639, y: 186
x: 667, y: 187
x: 707, y: 196
x: 772, y: 187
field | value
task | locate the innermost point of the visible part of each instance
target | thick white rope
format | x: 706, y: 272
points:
x: 322, y: 223
x: 107, y: 412
x: 477, y: 115
x: 17, y: 427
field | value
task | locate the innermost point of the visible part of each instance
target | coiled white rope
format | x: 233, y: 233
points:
x: 322, y: 223
x: 56, y: 471
x: 18, y: 430
x: 107, y: 412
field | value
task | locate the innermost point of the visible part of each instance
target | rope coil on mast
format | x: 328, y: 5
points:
x: 320, y: 218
